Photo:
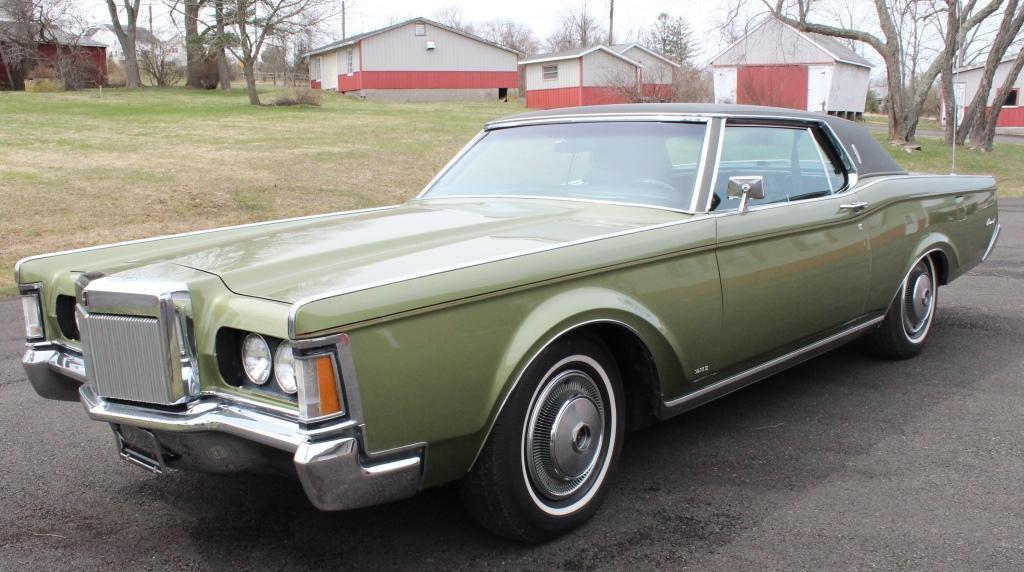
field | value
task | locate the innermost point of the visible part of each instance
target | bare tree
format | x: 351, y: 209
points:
x: 980, y: 126
x: 576, y: 29
x: 29, y: 23
x: 451, y: 16
x: 126, y: 35
x: 160, y: 66
x: 511, y: 35
x: 220, y: 45
x: 899, y: 46
x: 254, y: 21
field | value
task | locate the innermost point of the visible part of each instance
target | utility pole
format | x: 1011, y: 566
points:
x: 611, y: 21
x: 343, y: 35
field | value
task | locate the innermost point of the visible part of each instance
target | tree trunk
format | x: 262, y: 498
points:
x: 222, y: 60
x: 126, y: 36
x: 194, y: 60
x: 131, y: 60
x: 975, y: 118
x: 249, y: 71
x: 949, y: 104
x: 983, y: 134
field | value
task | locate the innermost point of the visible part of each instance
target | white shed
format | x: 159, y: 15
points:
x: 776, y: 64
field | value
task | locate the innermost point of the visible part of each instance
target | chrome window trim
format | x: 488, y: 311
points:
x: 17, y: 265
x: 718, y: 161
x: 821, y: 159
x: 699, y: 180
x: 297, y: 305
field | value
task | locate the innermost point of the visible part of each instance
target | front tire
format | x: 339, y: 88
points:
x: 544, y: 468
x: 902, y: 333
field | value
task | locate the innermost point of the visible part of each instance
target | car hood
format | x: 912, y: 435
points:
x: 356, y: 251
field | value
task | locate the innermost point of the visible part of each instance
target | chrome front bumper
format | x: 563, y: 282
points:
x: 331, y: 462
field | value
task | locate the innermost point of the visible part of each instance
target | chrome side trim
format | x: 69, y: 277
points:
x: 530, y: 361
x: 758, y: 372
x: 992, y: 242
x: 544, y: 198
x: 17, y: 265
x: 297, y: 306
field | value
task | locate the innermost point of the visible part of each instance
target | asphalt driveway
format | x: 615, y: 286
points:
x: 843, y: 462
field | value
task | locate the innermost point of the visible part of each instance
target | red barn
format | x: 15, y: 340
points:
x: 776, y: 64
x: 416, y: 60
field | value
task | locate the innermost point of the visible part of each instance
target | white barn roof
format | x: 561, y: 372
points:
x: 792, y: 46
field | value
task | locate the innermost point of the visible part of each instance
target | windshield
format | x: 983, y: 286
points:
x: 647, y: 163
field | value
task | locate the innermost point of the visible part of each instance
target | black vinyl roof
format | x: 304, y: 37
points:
x: 869, y: 158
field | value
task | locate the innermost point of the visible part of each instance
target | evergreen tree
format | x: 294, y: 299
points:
x: 672, y: 38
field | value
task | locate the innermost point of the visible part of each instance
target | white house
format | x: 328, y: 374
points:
x: 776, y: 64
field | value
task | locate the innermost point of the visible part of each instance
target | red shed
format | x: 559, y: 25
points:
x: 90, y: 53
x: 967, y: 80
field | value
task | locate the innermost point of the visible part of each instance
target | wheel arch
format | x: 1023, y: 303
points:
x: 944, y: 255
x: 642, y: 347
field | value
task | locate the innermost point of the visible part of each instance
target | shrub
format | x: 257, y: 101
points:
x: 116, y: 76
x: 43, y: 85
x: 299, y: 96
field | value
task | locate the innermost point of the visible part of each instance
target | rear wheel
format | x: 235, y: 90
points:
x: 545, y: 466
x: 905, y: 328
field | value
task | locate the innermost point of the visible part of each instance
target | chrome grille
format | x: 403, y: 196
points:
x: 126, y: 358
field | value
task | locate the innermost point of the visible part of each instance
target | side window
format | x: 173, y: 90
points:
x: 550, y: 71
x: 790, y: 161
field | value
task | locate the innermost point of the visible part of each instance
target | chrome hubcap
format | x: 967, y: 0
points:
x: 918, y: 301
x: 565, y: 434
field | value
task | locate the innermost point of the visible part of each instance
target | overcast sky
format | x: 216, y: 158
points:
x: 631, y: 16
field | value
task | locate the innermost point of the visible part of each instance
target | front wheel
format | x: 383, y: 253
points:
x: 902, y: 333
x: 544, y: 468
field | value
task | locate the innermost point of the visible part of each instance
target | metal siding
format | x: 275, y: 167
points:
x: 777, y: 86
x: 655, y: 71
x: 972, y: 78
x: 773, y: 44
x: 849, y: 89
x: 437, y: 79
x: 551, y: 98
x: 599, y: 95
x: 402, y: 50
x: 568, y: 75
x: 602, y: 69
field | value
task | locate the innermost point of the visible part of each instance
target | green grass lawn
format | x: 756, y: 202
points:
x: 78, y: 169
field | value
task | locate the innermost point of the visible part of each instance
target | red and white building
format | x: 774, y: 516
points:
x: 416, y: 60
x: 776, y: 64
x: 966, y: 82
x: 596, y: 75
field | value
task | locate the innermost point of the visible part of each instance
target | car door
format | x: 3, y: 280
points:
x: 796, y: 264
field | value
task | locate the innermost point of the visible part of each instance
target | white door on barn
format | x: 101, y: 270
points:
x: 725, y: 85
x: 819, y: 79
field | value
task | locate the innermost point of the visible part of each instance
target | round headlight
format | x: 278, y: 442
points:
x: 284, y: 368
x: 256, y: 359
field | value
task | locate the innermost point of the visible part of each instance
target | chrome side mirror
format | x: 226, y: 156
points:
x: 745, y: 188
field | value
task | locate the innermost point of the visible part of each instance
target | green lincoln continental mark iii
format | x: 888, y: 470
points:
x: 569, y: 275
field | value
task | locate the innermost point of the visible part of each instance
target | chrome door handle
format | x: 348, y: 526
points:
x: 854, y: 207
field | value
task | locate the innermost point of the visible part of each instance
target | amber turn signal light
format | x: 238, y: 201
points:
x: 319, y: 387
